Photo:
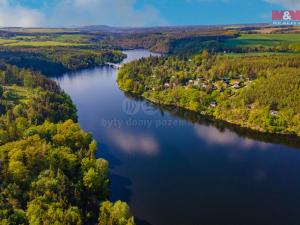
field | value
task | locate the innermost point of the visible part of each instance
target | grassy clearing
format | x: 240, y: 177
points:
x: 23, y: 94
x: 40, y: 43
x: 6, y: 41
x: 46, y: 40
x: 72, y: 38
x: 258, y: 54
x: 262, y: 39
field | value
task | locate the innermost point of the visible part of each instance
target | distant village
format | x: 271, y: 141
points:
x: 225, y: 84
x: 221, y: 85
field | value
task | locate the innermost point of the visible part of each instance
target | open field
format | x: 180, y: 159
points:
x: 42, y: 40
x: 41, y: 43
x: 45, y: 40
x: 262, y: 39
x: 72, y: 38
x: 22, y: 94
x: 6, y: 41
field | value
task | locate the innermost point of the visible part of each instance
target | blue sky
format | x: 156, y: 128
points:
x: 62, y: 13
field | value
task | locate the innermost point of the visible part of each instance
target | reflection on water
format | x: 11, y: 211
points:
x: 175, y: 167
x: 213, y: 136
x: 132, y: 143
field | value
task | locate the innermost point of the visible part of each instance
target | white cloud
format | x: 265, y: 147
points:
x: 290, y: 4
x: 17, y: 15
x: 215, y: 137
x: 60, y: 13
x: 106, y: 12
x: 133, y: 143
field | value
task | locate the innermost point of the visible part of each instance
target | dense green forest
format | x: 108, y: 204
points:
x: 57, y: 60
x: 49, y: 172
x: 259, y: 91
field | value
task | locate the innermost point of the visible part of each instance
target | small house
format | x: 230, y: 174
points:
x: 236, y: 86
x: 214, y: 88
x: 213, y: 104
x: 226, y: 79
x: 273, y: 112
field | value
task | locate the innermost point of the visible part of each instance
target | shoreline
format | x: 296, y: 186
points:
x: 291, y: 140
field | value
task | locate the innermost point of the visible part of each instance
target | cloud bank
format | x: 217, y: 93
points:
x: 14, y: 14
x: 63, y: 13
x: 108, y: 12
x: 134, y: 143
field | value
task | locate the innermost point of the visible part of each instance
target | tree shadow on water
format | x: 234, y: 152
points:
x: 103, y: 152
x: 139, y: 221
x: 120, y: 188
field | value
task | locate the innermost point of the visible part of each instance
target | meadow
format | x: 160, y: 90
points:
x: 268, y: 40
x: 45, y: 40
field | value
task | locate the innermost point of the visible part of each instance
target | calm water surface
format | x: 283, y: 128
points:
x: 173, y: 171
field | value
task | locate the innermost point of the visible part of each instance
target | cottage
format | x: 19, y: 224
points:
x: 214, y: 88
x: 196, y: 83
x: 273, y: 112
x: 226, y: 79
x: 249, y: 106
x: 236, y: 86
x: 213, y: 104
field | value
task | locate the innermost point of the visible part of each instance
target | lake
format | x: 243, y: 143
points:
x: 176, y: 168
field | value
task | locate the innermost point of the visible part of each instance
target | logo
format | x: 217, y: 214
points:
x: 130, y: 107
x: 148, y: 109
x: 286, y: 17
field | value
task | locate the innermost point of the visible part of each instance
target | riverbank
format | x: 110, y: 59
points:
x: 211, y: 115
x: 49, y: 170
x: 196, y: 117
x: 254, y: 94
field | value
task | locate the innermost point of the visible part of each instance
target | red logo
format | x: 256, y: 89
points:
x: 288, y: 15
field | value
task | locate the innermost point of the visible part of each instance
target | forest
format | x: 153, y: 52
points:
x: 257, y: 90
x: 49, y: 171
x: 57, y: 60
